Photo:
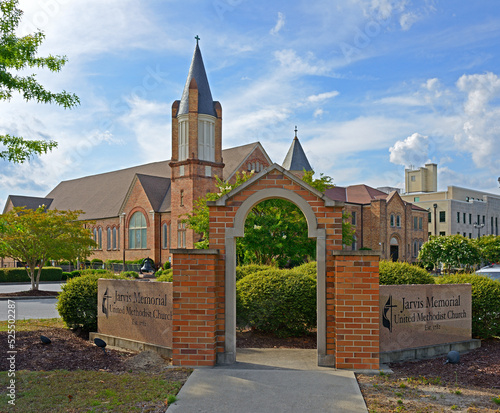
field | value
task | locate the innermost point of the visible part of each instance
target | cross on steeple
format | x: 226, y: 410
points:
x: 197, y: 39
x: 296, y: 130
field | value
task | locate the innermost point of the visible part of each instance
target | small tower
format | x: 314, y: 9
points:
x: 196, y: 148
x: 296, y: 160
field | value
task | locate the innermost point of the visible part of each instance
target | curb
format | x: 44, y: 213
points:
x: 25, y: 297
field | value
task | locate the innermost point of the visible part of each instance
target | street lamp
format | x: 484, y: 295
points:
x: 478, y: 226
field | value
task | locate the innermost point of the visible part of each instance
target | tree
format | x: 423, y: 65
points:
x: 275, y: 229
x: 454, y: 251
x: 37, y: 236
x: 17, y: 54
x: 489, y: 248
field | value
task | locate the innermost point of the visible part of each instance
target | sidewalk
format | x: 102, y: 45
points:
x: 270, y: 381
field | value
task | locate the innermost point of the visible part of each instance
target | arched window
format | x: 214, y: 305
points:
x: 398, y: 221
x: 164, y: 236
x: 99, y: 240
x: 108, y: 238
x: 137, y: 231
x: 114, y: 238
x: 354, y: 243
x: 392, y: 220
x: 94, y: 232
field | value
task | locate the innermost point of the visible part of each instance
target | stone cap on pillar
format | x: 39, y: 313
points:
x: 194, y: 251
x: 358, y: 253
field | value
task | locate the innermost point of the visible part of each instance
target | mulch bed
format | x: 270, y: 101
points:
x: 31, y: 293
x: 478, y: 368
x: 255, y: 339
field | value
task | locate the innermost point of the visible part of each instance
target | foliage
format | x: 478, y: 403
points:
x: 309, y: 268
x: 66, y: 275
x: 167, y: 265
x: 17, y: 54
x: 20, y: 275
x: 37, y: 236
x: 130, y: 274
x: 392, y: 273
x: 485, y: 302
x: 76, y: 273
x: 244, y: 270
x: 489, y: 248
x: 279, y: 301
x: 77, y: 302
x: 322, y: 183
x: 165, y: 276
x: 96, y: 261
x: 454, y: 251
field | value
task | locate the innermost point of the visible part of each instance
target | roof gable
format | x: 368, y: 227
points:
x: 29, y: 202
x: 296, y: 159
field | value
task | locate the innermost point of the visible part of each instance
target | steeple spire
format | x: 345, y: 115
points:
x: 296, y: 159
x: 198, y: 74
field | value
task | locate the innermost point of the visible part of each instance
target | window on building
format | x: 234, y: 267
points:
x: 353, y: 216
x: 478, y: 219
x: 108, y: 238
x: 429, y: 217
x: 183, y: 137
x: 99, y: 238
x: 465, y: 218
x: 137, y: 231
x: 392, y: 220
x: 420, y: 245
x: 492, y: 228
x: 114, y: 238
x: 94, y: 232
x: 182, y: 197
x: 181, y: 235
x: 484, y: 220
x: 416, y: 199
x: 496, y: 225
x: 442, y: 216
x: 398, y: 221
x: 415, y: 248
x: 354, y: 243
x: 206, y: 139
x: 412, y: 178
x: 470, y: 235
x: 465, y: 234
x: 420, y: 223
x: 164, y: 236
x: 458, y: 217
x: 470, y: 219
x: 442, y: 233
x: 415, y: 222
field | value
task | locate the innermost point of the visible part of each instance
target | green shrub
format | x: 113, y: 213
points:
x: 98, y: 271
x: 403, y: 273
x: 309, y: 268
x: 244, y: 270
x: 10, y: 275
x: 66, y: 275
x: 485, y: 302
x: 130, y: 274
x: 279, y: 301
x: 167, y: 265
x: 77, y: 302
x: 165, y: 275
x: 96, y: 261
x: 75, y: 273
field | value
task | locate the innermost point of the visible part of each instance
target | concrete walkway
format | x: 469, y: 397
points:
x: 270, y: 381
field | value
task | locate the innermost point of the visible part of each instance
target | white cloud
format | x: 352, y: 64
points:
x: 318, y: 113
x: 322, y: 96
x: 279, y: 24
x: 293, y: 64
x: 414, y: 150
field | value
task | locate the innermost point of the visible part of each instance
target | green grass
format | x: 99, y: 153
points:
x: 34, y: 324
x: 89, y: 391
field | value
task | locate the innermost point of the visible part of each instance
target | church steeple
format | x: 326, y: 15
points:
x: 198, y: 74
x: 196, y: 148
x: 296, y: 159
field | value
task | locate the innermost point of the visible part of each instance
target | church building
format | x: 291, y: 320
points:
x: 136, y: 212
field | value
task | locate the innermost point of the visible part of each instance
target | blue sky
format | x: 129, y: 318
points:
x: 372, y: 85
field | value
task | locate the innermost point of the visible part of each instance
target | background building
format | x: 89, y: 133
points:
x: 455, y: 211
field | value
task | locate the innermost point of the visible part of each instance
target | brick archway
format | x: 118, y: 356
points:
x: 204, y: 317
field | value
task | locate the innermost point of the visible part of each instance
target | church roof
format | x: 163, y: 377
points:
x: 102, y: 195
x: 30, y: 202
x: 356, y: 194
x: 296, y: 159
x: 197, y: 72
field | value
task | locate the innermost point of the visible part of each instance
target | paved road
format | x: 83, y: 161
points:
x: 32, y: 308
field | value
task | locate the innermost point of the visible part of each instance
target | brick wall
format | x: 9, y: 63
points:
x: 195, y: 282
x: 353, y: 322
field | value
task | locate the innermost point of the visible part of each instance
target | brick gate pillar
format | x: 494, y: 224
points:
x: 353, y: 313
x: 195, y: 302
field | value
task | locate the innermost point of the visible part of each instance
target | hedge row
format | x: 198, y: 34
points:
x: 392, y: 273
x: 9, y: 275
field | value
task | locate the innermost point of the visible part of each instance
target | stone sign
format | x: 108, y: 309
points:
x: 423, y: 315
x: 135, y: 310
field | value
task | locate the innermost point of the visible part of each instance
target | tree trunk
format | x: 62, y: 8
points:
x: 38, y: 276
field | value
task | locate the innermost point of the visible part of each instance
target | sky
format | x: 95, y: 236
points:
x: 373, y: 86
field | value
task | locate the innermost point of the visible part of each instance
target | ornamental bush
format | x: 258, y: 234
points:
x: 130, y: 274
x: 309, y: 268
x: 77, y: 302
x: 9, y: 275
x: 244, y: 270
x: 402, y: 273
x: 165, y: 275
x: 485, y: 302
x: 279, y: 301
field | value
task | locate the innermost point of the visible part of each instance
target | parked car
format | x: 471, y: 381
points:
x: 491, y: 271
